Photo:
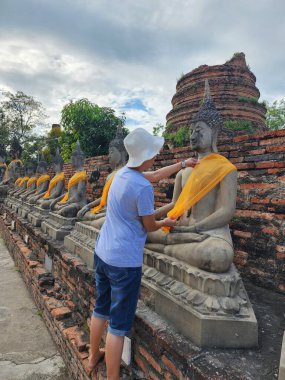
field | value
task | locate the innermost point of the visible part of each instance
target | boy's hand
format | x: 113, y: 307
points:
x: 191, y: 162
x: 169, y: 222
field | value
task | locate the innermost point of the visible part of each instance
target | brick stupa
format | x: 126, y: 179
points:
x: 232, y: 89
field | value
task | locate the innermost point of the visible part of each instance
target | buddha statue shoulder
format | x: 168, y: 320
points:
x: 71, y: 202
x: 56, y: 185
x: 204, y: 201
x: 29, y: 180
x: 94, y: 213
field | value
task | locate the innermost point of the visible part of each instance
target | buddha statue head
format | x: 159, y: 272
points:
x: 30, y: 169
x: 77, y: 157
x: 206, y: 125
x: 15, y: 150
x: 58, y: 162
x: 117, y: 150
x: 42, y: 166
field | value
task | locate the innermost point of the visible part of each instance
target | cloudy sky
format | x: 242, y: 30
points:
x: 129, y: 54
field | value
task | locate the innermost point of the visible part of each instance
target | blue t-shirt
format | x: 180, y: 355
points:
x: 122, y: 237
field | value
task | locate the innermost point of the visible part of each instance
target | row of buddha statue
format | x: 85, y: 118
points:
x: 193, y: 263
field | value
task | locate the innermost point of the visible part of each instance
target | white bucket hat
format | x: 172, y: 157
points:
x: 141, y: 146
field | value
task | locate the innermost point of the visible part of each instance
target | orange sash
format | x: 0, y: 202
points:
x: 59, y: 177
x: 74, y: 180
x: 104, y: 196
x: 42, y: 179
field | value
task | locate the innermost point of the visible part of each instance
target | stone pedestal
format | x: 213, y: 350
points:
x: 57, y: 226
x: 24, y: 209
x: 213, y: 310
x: 38, y: 215
x: 81, y: 241
x: 282, y: 361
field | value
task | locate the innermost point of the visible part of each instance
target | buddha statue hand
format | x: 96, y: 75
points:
x: 82, y: 212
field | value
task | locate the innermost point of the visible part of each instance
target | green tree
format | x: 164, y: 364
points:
x: 158, y: 129
x: 20, y: 114
x: 275, y: 115
x: 94, y: 126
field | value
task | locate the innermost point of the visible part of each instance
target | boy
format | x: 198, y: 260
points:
x: 118, y: 255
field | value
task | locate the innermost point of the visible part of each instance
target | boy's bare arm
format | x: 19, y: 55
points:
x: 151, y: 225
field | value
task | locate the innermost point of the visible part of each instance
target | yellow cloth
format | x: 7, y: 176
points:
x: 18, y: 180
x: 59, y: 177
x: 17, y: 160
x: 204, y: 177
x: 31, y: 181
x: 74, y: 180
x: 23, y: 180
x: 42, y: 179
x: 104, y: 195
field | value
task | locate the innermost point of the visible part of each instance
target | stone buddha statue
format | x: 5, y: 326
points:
x: 14, y: 168
x: 42, y: 183
x: 70, y: 203
x: 3, y: 166
x: 117, y: 159
x: 202, y: 237
x: 56, y: 185
x: 22, y: 184
x: 30, y: 183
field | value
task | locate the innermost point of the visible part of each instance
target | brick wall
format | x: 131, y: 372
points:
x: 66, y: 299
x: 259, y: 223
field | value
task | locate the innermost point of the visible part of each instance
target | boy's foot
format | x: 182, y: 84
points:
x: 93, y: 360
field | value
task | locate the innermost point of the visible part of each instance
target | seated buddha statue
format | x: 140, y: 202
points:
x: 30, y: 183
x: 3, y: 166
x: 70, y: 203
x: 21, y: 183
x: 41, y: 185
x: 203, y: 203
x: 56, y: 185
x: 14, y: 169
x: 94, y: 213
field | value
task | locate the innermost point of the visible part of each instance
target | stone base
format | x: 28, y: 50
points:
x: 81, y: 241
x: 57, y: 226
x: 38, y: 216
x: 211, y: 309
x: 24, y: 209
x: 282, y: 361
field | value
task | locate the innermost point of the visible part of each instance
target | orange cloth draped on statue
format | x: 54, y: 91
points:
x: 74, y: 180
x: 203, y: 178
x: 23, y: 180
x: 18, y: 180
x: 42, y: 179
x: 31, y: 181
x: 59, y: 177
x: 104, y: 196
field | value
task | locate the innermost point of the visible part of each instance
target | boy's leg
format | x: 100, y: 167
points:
x: 96, y: 331
x: 114, y: 349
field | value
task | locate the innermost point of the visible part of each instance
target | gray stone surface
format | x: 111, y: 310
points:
x: 27, y: 351
x: 282, y: 361
x: 81, y: 241
x: 57, y: 226
x: 200, y: 304
x: 38, y: 215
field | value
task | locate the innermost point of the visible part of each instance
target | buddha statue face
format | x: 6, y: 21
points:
x: 42, y: 168
x: 201, y: 137
x: 77, y: 161
x: 30, y: 171
x: 115, y: 156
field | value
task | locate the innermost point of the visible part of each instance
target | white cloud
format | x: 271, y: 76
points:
x: 112, y: 52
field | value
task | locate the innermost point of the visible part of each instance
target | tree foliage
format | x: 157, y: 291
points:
x: 275, y: 115
x: 92, y: 125
x: 20, y: 114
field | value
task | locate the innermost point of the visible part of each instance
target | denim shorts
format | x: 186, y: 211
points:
x: 117, y: 295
